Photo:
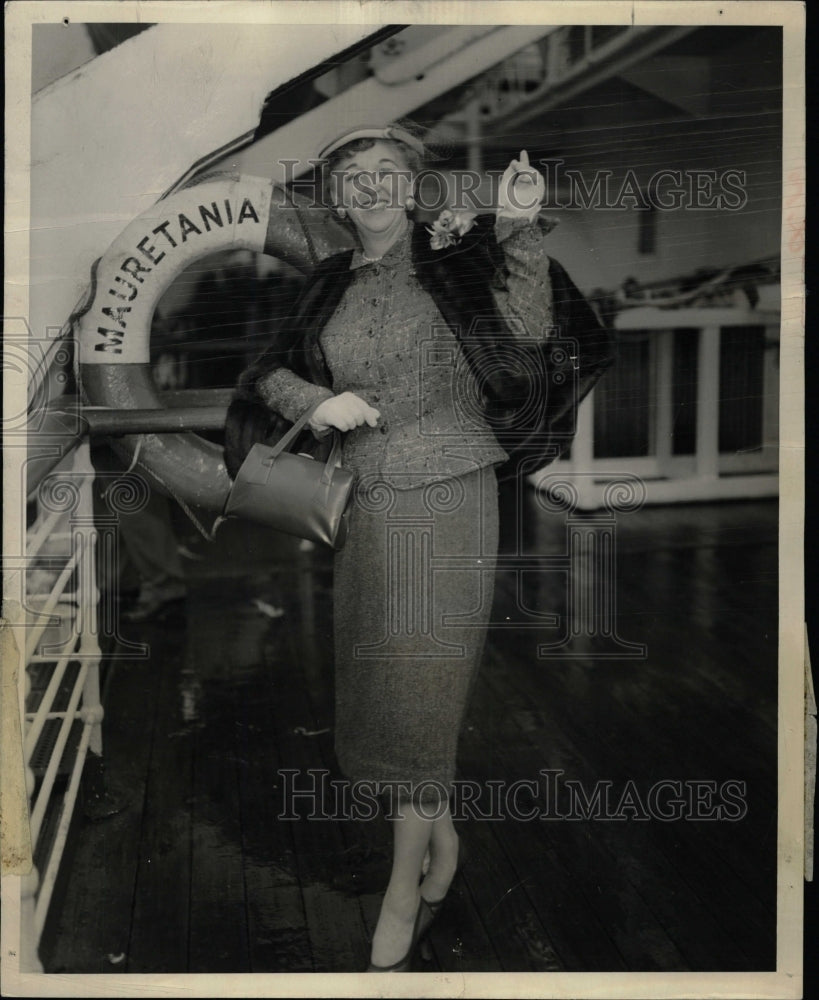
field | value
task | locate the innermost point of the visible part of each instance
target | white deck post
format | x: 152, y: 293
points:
x: 582, y: 463
x: 707, y: 462
x: 665, y: 393
x: 88, y: 598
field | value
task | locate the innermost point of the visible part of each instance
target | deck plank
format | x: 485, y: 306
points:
x: 590, y: 696
x: 219, y: 934
x: 334, y: 917
x: 596, y: 891
x: 199, y: 873
x: 94, y: 926
x: 277, y: 935
x: 277, y: 926
x: 160, y: 918
x: 528, y: 880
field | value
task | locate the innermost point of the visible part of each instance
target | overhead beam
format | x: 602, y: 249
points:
x: 600, y: 64
x: 419, y: 47
x: 375, y: 101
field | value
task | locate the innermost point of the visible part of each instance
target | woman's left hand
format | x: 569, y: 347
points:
x: 522, y: 189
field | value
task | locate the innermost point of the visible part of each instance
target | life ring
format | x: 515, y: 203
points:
x: 113, y: 328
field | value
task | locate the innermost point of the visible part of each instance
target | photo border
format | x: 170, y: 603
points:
x: 786, y: 980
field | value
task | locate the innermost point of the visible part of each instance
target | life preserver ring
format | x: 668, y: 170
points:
x: 113, y: 329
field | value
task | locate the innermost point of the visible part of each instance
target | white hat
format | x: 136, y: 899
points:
x: 396, y: 132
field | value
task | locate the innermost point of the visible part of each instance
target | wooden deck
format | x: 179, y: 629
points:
x: 197, y: 874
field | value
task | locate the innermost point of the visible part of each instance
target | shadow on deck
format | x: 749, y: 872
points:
x: 197, y: 873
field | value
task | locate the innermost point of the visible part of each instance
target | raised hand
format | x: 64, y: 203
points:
x: 522, y: 189
x: 343, y: 412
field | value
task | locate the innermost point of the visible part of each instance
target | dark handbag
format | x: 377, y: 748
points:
x: 294, y: 493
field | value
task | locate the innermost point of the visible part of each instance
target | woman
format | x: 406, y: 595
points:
x: 379, y: 343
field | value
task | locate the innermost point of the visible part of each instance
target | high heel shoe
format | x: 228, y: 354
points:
x: 434, y: 906
x: 423, y: 919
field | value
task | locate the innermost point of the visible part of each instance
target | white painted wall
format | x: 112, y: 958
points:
x: 56, y: 50
x: 687, y: 238
x: 739, y: 126
x: 108, y: 139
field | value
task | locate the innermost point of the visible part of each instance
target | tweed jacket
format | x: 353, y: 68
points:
x: 459, y: 280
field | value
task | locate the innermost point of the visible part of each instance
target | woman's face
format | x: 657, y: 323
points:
x: 373, y: 186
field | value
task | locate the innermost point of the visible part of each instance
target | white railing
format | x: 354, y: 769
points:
x: 62, y: 648
x: 707, y: 473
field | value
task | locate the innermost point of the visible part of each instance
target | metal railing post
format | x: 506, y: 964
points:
x: 88, y: 596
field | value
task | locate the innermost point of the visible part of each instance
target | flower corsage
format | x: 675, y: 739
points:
x: 449, y: 228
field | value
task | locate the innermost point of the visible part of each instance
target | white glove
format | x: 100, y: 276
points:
x: 344, y: 412
x: 522, y: 190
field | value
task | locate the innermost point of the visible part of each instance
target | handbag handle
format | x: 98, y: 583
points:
x: 284, y: 443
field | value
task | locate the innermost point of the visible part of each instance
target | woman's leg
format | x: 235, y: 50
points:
x: 444, y: 847
x: 393, y: 933
x: 414, y: 831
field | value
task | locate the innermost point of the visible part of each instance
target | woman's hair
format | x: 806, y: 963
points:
x: 412, y: 158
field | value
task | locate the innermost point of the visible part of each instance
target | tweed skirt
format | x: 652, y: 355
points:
x: 413, y: 590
